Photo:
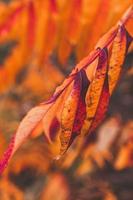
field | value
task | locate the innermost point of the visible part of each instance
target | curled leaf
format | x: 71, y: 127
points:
x: 95, y: 91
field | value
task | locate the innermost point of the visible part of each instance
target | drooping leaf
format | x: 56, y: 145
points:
x: 116, y: 60
x: 74, y: 111
x: 31, y: 24
x: 95, y: 91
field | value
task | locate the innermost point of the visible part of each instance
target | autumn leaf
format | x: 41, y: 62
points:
x: 7, y: 25
x: 96, y: 90
x: 31, y: 23
x: 7, y: 190
x: 56, y: 187
x: 76, y: 98
x: 74, y: 111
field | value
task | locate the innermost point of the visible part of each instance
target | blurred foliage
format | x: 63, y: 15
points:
x: 36, y: 54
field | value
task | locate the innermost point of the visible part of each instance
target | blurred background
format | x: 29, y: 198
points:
x: 40, y: 43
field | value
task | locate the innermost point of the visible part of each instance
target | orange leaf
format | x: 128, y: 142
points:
x: 95, y: 91
x: 117, y: 57
x: 74, y: 111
